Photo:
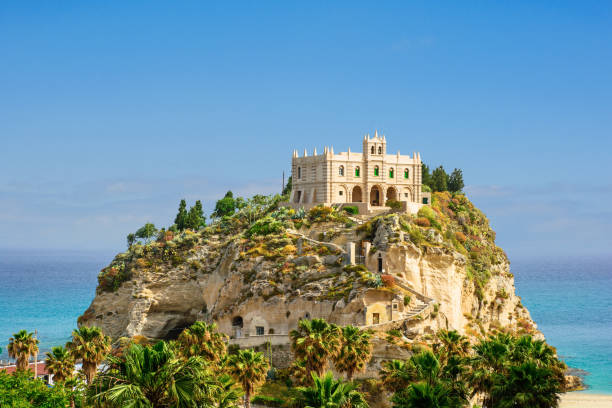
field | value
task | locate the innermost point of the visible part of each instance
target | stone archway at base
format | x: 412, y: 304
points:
x: 376, y: 196
x: 391, y: 194
x: 356, y: 196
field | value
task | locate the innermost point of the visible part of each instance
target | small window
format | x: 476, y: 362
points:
x: 406, y: 173
x: 372, y: 150
x: 376, y: 170
x: 357, y: 171
x: 340, y: 192
x: 391, y: 172
x: 395, y: 305
x: 405, y: 194
x: 299, y: 172
x: 379, y: 149
x: 425, y: 200
x: 259, y: 330
x: 341, y: 170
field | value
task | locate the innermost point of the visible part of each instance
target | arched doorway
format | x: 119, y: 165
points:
x: 237, y: 325
x: 376, y: 196
x: 391, y: 194
x: 356, y: 197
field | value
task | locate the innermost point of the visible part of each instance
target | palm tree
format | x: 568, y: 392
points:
x: 202, y: 339
x: 91, y: 346
x: 355, y: 351
x: 315, y: 341
x: 527, y: 386
x: 226, y: 394
x: 424, y: 395
x: 249, y: 368
x: 490, y: 358
x: 327, y: 392
x: 153, y: 377
x: 451, y: 344
x: 21, y: 346
x: 395, y: 375
x: 60, y: 363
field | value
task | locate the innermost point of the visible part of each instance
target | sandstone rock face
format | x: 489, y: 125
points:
x: 264, y: 286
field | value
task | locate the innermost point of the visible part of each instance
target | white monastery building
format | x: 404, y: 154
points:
x: 367, y: 180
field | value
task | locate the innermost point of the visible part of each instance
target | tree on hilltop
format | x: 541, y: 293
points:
x: 455, y: 181
x: 225, y: 206
x: 439, y: 180
x: 181, y: 217
x: 195, y: 217
x: 425, y: 175
x: 146, y: 232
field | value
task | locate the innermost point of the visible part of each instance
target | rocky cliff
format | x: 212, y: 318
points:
x: 261, y: 270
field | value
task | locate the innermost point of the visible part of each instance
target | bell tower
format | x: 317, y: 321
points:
x: 374, y: 147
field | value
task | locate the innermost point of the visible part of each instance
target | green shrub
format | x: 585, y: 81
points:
x: 351, y: 209
x: 394, y: 204
x: 266, y: 226
x: 268, y: 401
x: 407, y: 300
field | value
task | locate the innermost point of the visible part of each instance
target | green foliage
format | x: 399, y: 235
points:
x: 152, y: 376
x: 351, y: 209
x: 266, y: 226
x: 287, y: 188
x: 394, y: 204
x: 21, y: 346
x: 249, y: 369
x: 268, y: 401
x: 425, y: 188
x: 455, y: 181
x: 355, y: 351
x: 425, y: 175
x: 21, y: 391
x: 146, y: 232
x: 406, y: 300
x: 195, y: 217
x: 225, y: 206
x: 131, y: 238
x: 439, y: 180
x: 315, y: 342
x: 327, y: 392
x: 181, y: 217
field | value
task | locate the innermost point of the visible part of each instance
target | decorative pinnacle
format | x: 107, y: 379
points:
x: 305, y: 153
x: 314, y: 153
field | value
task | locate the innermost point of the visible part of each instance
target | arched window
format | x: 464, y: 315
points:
x: 357, y: 171
x: 406, y: 173
x: 376, y: 170
x: 372, y: 150
x: 391, y: 172
x: 341, y: 171
x: 299, y: 172
x: 379, y: 149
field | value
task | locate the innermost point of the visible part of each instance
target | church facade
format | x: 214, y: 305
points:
x: 368, y: 179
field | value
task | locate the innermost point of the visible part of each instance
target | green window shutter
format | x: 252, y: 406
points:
x: 390, y: 173
x: 376, y: 171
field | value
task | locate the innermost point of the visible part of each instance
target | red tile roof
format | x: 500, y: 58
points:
x: 42, y: 369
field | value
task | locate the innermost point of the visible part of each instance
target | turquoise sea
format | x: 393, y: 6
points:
x: 569, y: 298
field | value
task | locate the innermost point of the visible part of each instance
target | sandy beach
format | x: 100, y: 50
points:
x: 584, y: 400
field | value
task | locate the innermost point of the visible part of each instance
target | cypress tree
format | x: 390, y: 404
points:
x: 439, y: 180
x: 181, y: 217
x: 455, y: 181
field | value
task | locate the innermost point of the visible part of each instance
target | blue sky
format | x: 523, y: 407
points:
x: 111, y: 112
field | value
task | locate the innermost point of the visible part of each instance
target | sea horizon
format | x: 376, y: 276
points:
x: 569, y: 298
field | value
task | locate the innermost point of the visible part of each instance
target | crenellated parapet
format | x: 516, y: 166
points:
x: 371, y: 177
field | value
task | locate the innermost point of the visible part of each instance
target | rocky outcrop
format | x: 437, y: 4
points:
x: 263, y: 285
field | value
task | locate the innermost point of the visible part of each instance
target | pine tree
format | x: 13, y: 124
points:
x: 287, y: 188
x: 196, y: 218
x: 131, y: 238
x: 181, y: 216
x: 425, y: 175
x: 146, y: 232
x: 455, y: 181
x: 439, y: 180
